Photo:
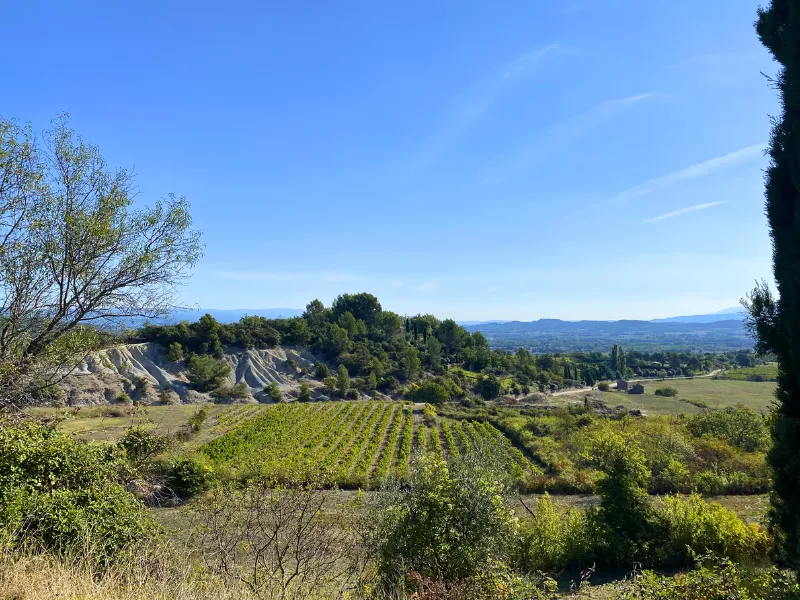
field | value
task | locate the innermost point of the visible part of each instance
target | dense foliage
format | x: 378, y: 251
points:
x: 66, y: 496
x: 775, y: 322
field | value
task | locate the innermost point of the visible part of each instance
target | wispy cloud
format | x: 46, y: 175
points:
x: 428, y: 286
x: 477, y: 100
x: 559, y: 136
x: 683, y: 211
x: 702, y: 169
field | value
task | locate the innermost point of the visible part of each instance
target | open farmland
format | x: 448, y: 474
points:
x: 354, y: 444
x: 693, y: 395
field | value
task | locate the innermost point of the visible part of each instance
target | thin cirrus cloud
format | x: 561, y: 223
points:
x: 428, y: 286
x: 559, y: 136
x: 703, y: 169
x: 683, y: 211
x: 479, y: 99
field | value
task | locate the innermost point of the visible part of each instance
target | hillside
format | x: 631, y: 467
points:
x: 142, y: 372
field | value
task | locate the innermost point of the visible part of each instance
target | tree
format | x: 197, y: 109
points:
x: 342, y: 381
x: 434, y: 354
x: 206, y: 373
x: 775, y: 322
x: 330, y: 384
x: 429, y: 392
x: 614, y: 361
x: 489, y: 387
x: 74, y: 251
x: 363, y: 306
x: 305, y: 393
x: 447, y: 524
x: 372, y: 381
x: 175, y: 352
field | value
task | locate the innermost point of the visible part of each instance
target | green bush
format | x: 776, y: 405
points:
x: 551, y: 541
x: 175, y: 352
x: 668, y: 392
x: 141, y: 445
x: 321, y: 370
x: 740, y: 426
x: 206, y: 373
x: 714, y: 579
x: 603, y: 386
x: 429, y: 414
x: 189, y: 477
x: 450, y: 524
x: 273, y: 390
x: 692, y: 526
x: 66, y: 496
x: 429, y: 392
x: 239, y: 391
x: 198, y: 418
x: 305, y: 393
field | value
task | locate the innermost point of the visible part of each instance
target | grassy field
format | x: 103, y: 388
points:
x: 714, y: 393
x: 109, y: 423
x: 762, y: 373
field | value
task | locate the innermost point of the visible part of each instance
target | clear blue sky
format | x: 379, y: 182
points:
x: 576, y: 159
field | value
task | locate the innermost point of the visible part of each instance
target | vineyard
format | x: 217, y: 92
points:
x: 356, y: 444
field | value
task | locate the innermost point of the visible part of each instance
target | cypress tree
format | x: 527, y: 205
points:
x: 775, y: 321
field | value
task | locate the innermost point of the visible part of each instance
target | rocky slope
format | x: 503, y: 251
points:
x: 143, y: 373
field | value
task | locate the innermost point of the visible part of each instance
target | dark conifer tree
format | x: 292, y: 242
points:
x: 775, y: 321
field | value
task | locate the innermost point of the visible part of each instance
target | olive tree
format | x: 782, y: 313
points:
x: 76, y: 253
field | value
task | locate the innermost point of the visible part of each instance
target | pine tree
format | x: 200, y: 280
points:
x: 775, y: 322
x: 342, y: 381
x: 614, y: 362
x: 566, y: 372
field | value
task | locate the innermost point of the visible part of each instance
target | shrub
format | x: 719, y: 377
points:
x: 206, y: 373
x: 429, y: 392
x: 603, y: 386
x: 239, y: 391
x: 692, y: 526
x: 668, y: 392
x: 330, y: 384
x: 175, y: 352
x: 739, y: 426
x: 429, y: 414
x: 450, y: 524
x: 273, y: 390
x: 189, y: 477
x: 321, y: 370
x: 66, y: 496
x: 714, y: 579
x: 489, y: 387
x: 140, y: 444
x: 305, y: 393
x: 342, y: 381
x: 552, y: 541
x: 167, y: 396
x: 352, y: 394
x: 198, y: 418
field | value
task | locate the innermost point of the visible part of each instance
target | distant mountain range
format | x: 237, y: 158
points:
x: 554, y: 335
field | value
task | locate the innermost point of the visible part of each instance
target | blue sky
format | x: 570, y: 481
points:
x: 586, y: 159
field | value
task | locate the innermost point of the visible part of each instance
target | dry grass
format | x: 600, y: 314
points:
x: 43, y: 577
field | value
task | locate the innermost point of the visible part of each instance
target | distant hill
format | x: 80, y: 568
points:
x: 221, y: 315
x: 554, y: 335
x: 723, y: 315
